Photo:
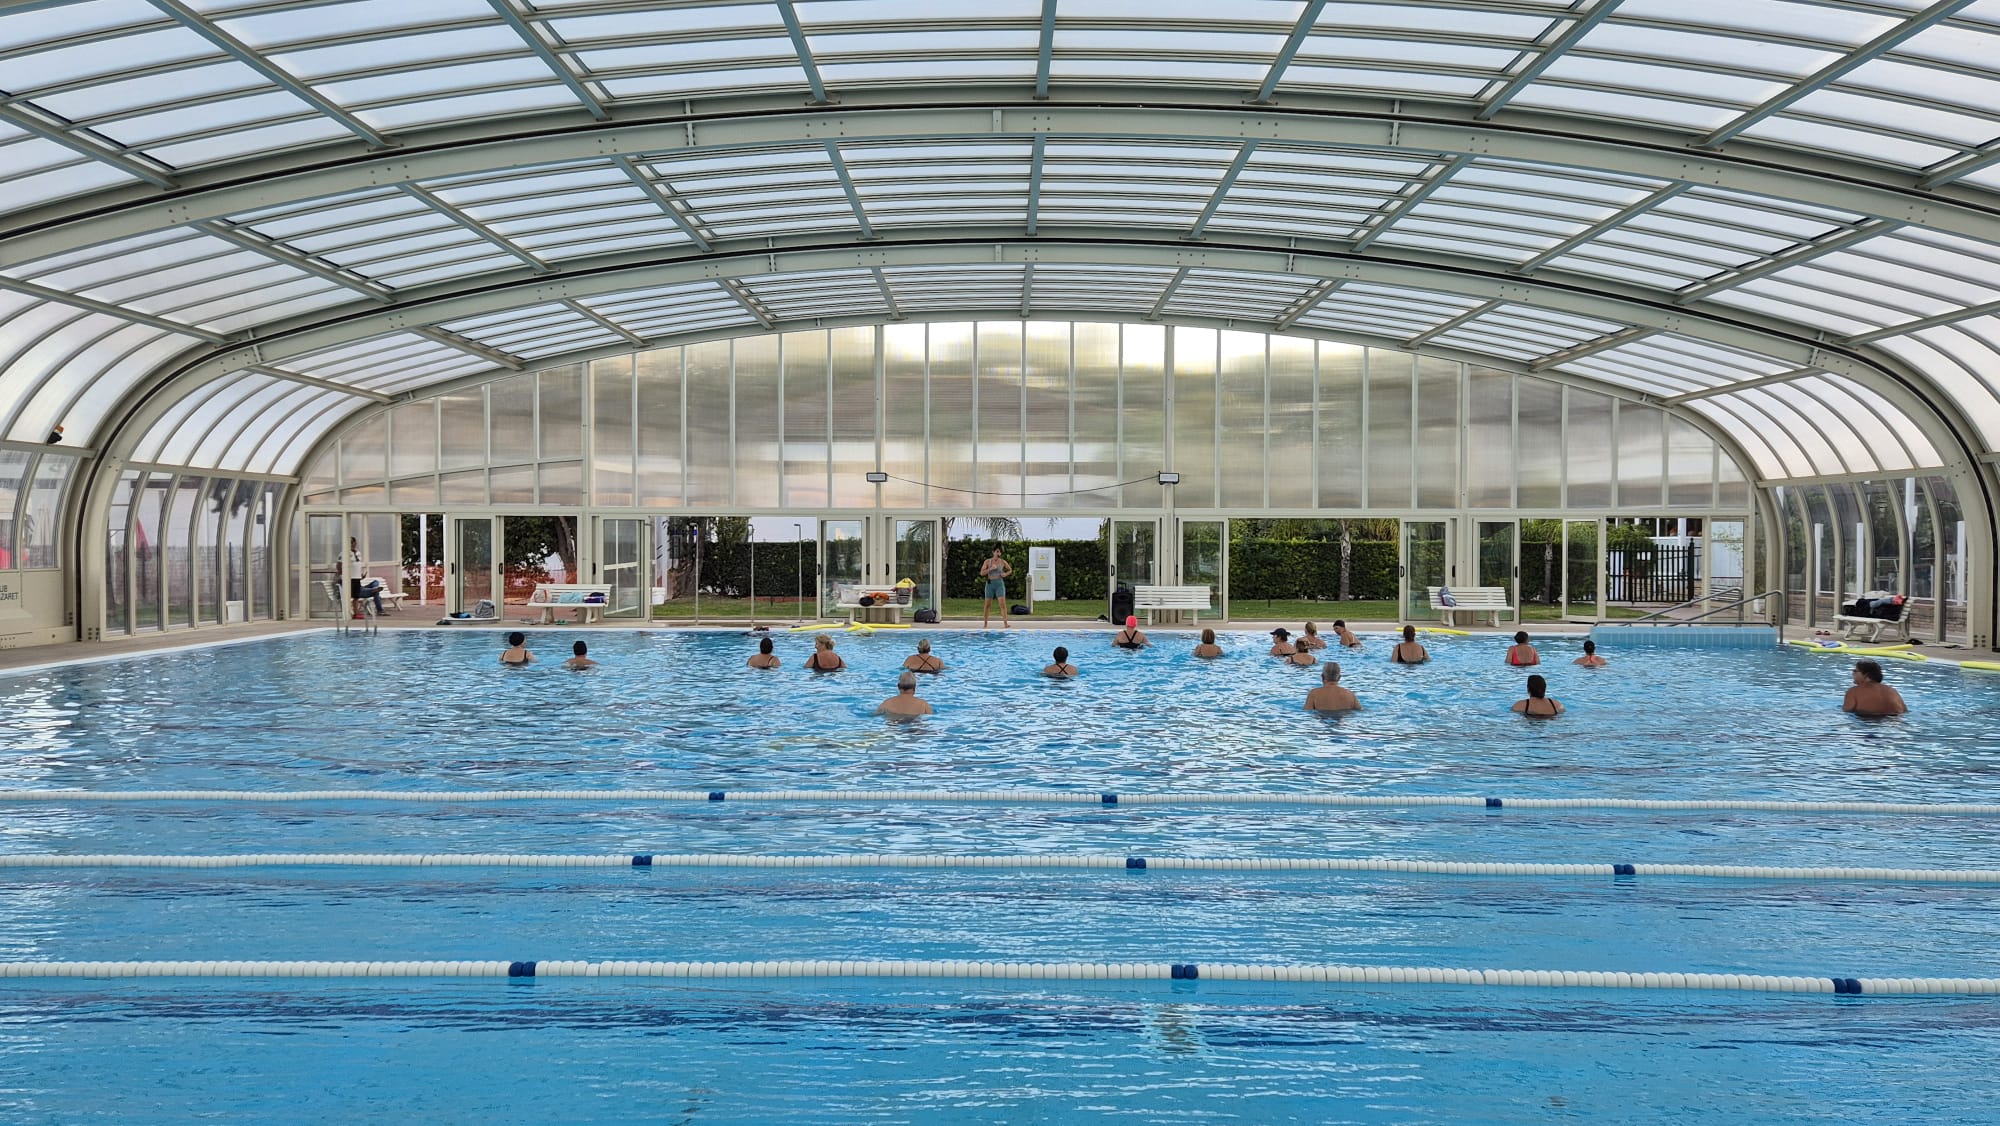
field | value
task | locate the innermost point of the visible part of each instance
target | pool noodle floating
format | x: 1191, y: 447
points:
x: 1453, y: 632
x: 1980, y: 666
x: 809, y: 629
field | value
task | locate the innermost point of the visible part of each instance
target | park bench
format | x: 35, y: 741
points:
x: 551, y: 597
x: 1490, y: 601
x: 1191, y: 599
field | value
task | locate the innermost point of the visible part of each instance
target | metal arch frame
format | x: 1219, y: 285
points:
x: 968, y: 112
x: 1902, y: 386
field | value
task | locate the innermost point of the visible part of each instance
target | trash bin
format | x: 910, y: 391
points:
x: 1121, y: 603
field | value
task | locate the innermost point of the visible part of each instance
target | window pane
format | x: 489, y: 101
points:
x: 1340, y: 444
x: 1194, y: 418
x: 462, y: 425
x: 657, y: 379
x: 611, y: 430
x: 1436, y: 453
x: 562, y: 413
x: 1389, y: 438
x: 1541, y: 440
x: 1588, y: 447
x: 1640, y: 461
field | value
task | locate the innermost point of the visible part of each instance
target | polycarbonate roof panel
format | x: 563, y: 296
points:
x: 113, y: 101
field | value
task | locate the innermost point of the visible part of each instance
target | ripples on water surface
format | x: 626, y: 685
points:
x: 678, y: 710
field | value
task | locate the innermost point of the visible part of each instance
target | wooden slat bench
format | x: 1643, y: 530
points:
x: 1490, y: 601
x: 550, y: 597
x: 847, y: 596
x: 1189, y: 599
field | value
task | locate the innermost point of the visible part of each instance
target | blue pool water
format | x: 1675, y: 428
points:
x: 677, y: 710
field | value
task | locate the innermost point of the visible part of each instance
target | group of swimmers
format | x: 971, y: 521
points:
x: 1868, y: 697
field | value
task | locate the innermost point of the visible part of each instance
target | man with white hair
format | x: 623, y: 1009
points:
x: 905, y: 702
x: 1330, y: 696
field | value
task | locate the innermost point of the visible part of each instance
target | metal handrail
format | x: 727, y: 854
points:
x: 1747, y: 599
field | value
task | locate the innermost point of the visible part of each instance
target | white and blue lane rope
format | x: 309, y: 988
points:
x: 1008, y: 797
x: 1060, y: 861
x: 1017, y: 971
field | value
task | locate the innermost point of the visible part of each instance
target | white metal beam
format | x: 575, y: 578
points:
x: 288, y: 376
x: 1222, y: 187
x: 1411, y: 202
x: 252, y: 241
x: 684, y: 219
x: 603, y: 322
x: 242, y: 52
x: 888, y: 295
x: 1035, y: 178
x: 485, y: 233
x: 1596, y: 230
x: 1604, y: 343
x: 1333, y: 125
x: 750, y: 304
x: 1833, y: 72
x: 534, y: 42
x: 1571, y: 36
x: 471, y: 347
x: 1300, y: 29
x: 847, y: 185
x: 1465, y: 318
x: 76, y: 301
x: 1045, y: 51
x: 798, y: 34
x: 1167, y: 294
x: 47, y: 127
x: 1785, y: 260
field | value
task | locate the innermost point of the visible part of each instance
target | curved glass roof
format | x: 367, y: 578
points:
x: 226, y: 227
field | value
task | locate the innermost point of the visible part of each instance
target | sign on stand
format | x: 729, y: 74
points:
x: 1041, y: 575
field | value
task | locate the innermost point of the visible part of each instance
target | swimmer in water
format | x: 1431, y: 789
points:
x: 921, y: 660
x: 1130, y: 637
x: 905, y: 702
x: 1345, y: 635
x: 1522, y: 654
x: 1330, y: 696
x: 764, y: 658
x: 1062, y: 669
x: 1590, y: 659
x: 1281, y: 644
x: 1869, y: 696
x: 579, y: 661
x: 1302, y: 657
x: 1208, y: 648
x: 823, y: 658
x: 517, y: 650
x: 1311, y: 639
x: 1407, y: 651
x: 1538, y: 705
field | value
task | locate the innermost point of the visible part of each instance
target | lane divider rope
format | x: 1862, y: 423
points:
x: 1085, y: 861
x: 1028, y: 971
x: 1020, y: 797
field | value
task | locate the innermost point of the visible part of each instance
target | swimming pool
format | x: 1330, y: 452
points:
x: 677, y: 711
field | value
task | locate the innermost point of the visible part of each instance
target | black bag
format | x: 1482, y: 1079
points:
x: 927, y: 616
x: 867, y: 600
x: 1017, y: 608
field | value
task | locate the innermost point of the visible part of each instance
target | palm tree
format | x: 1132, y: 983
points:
x: 994, y: 527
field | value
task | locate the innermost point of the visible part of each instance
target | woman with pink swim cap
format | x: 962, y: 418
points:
x: 1130, y: 637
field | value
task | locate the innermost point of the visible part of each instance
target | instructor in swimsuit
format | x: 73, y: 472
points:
x: 995, y: 571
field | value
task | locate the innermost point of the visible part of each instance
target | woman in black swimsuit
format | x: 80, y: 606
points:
x: 1407, y: 651
x: 1538, y: 705
x: 922, y: 660
x: 823, y: 658
x: 1130, y: 637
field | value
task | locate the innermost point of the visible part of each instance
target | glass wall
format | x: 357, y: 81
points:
x: 1904, y: 536
x: 188, y: 550
x: 1006, y: 416
x: 33, y: 487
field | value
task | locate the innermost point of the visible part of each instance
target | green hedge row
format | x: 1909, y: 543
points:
x: 1309, y: 569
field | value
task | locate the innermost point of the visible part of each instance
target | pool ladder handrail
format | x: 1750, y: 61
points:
x: 1742, y: 601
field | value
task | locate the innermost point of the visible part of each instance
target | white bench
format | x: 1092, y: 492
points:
x: 1475, y: 600
x: 847, y: 596
x: 1192, y: 599
x: 550, y: 597
x: 1856, y: 627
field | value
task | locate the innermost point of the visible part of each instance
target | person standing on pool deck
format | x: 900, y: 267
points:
x: 823, y: 658
x: 1522, y: 654
x: 905, y: 702
x: 1062, y: 669
x: 921, y: 660
x: 763, y: 658
x: 517, y: 650
x: 1538, y: 705
x: 1407, y: 651
x: 579, y: 661
x: 1281, y: 644
x: 1870, y: 697
x: 1130, y: 637
x: 1330, y: 696
x: 1590, y: 659
x: 995, y: 571
x: 1208, y: 648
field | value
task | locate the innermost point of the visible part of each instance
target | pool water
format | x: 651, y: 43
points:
x: 414, y: 711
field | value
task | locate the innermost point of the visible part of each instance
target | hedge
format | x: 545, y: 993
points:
x: 1270, y: 569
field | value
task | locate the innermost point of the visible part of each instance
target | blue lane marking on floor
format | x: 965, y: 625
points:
x: 1135, y: 862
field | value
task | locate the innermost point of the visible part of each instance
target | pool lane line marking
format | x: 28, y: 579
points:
x: 1072, y: 862
x: 1004, y: 797
x: 1028, y: 971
